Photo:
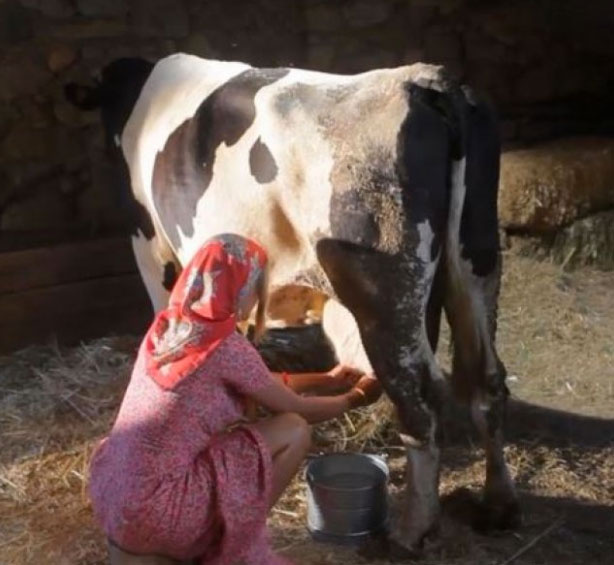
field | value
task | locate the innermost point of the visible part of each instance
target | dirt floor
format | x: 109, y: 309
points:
x: 555, y: 336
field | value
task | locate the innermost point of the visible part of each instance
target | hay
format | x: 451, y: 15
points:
x: 54, y: 405
x: 555, y: 337
x: 555, y: 333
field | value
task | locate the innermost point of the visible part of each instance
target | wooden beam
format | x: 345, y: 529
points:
x: 48, y: 266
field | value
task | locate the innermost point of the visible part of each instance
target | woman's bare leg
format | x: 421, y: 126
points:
x: 289, y: 438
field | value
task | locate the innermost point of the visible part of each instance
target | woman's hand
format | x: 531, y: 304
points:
x: 280, y: 398
x: 367, y: 390
x: 345, y: 376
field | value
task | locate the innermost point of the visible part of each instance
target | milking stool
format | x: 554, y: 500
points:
x: 118, y: 556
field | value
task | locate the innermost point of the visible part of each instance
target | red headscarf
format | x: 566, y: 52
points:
x: 202, y: 307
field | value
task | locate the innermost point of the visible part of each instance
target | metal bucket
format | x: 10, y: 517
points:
x: 347, y: 498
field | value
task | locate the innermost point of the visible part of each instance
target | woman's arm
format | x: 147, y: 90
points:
x: 279, y: 398
x: 338, y: 379
x: 303, y: 382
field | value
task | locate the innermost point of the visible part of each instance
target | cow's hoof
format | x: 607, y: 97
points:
x: 398, y: 549
x: 493, y: 516
x: 401, y: 553
x: 388, y: 549
x: 376, y: 547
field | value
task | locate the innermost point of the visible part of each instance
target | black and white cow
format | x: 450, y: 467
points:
x: 378, y: 189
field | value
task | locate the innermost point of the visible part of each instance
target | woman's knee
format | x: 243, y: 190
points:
x: 298, y: 427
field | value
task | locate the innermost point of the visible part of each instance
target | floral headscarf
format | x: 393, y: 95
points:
x: 202, y: 307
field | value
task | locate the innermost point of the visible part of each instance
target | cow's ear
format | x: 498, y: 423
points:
x: 83, y: 97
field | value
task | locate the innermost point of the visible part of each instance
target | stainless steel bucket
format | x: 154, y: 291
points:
x: 347, y: 498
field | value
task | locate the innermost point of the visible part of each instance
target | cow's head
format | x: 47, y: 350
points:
x: 115, y: 94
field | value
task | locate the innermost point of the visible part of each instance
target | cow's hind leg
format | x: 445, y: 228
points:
x: 482, y: 379
x: 420, y: 507
x: 384, y: 277
x: 500, y: 509
x: 486, y: 393
x: 399, y: 351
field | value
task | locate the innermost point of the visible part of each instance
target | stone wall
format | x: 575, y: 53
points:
x: 546, y: 64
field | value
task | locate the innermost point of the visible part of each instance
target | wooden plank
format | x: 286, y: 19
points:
x: 75, y: 311
x: 49, y: 266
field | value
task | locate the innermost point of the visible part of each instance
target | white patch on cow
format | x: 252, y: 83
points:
x: 298, y: 197
x: 117, y: 140
x: 458, y: 287
x: 407, y: 357
x: 420, y: 509
x: 457, y: 201
x: 173, y: 92
x: 463, y: 281
x: 483, y: 295
x: 341, y: 328
x: 302, y: 190
x: 151, y: 272
x: 426, y: 236
x: 418, y: 351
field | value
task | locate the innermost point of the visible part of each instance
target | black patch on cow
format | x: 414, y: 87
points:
x: 261, y: 163
x: 135, y: 216
x: 170, y: 275
x: 352, y: 220
x: 425, y: 144
x: 479, y: 233
x: 141, y: 220
x: 434, y: 307
x: 184, y: 168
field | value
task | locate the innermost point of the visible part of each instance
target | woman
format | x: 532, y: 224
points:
x: 182, y: 475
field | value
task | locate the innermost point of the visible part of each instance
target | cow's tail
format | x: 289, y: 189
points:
x: 458, y: 301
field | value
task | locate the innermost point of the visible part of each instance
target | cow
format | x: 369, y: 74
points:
x: 378, y: 190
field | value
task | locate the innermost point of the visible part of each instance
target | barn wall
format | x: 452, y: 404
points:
x: 547, y: 64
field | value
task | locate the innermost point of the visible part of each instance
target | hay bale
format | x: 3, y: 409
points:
x: 589, y: 241
x: 548, y: 186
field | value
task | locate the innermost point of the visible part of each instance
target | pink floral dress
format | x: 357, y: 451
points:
x: 177, y: 476
x: 172, y: 479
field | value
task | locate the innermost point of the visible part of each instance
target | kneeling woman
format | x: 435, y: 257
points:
x: 182, y: 475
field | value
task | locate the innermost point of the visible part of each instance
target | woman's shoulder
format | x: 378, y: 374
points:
x: 236, y: 347
x: 235, y: 340
x: 240, y: 365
